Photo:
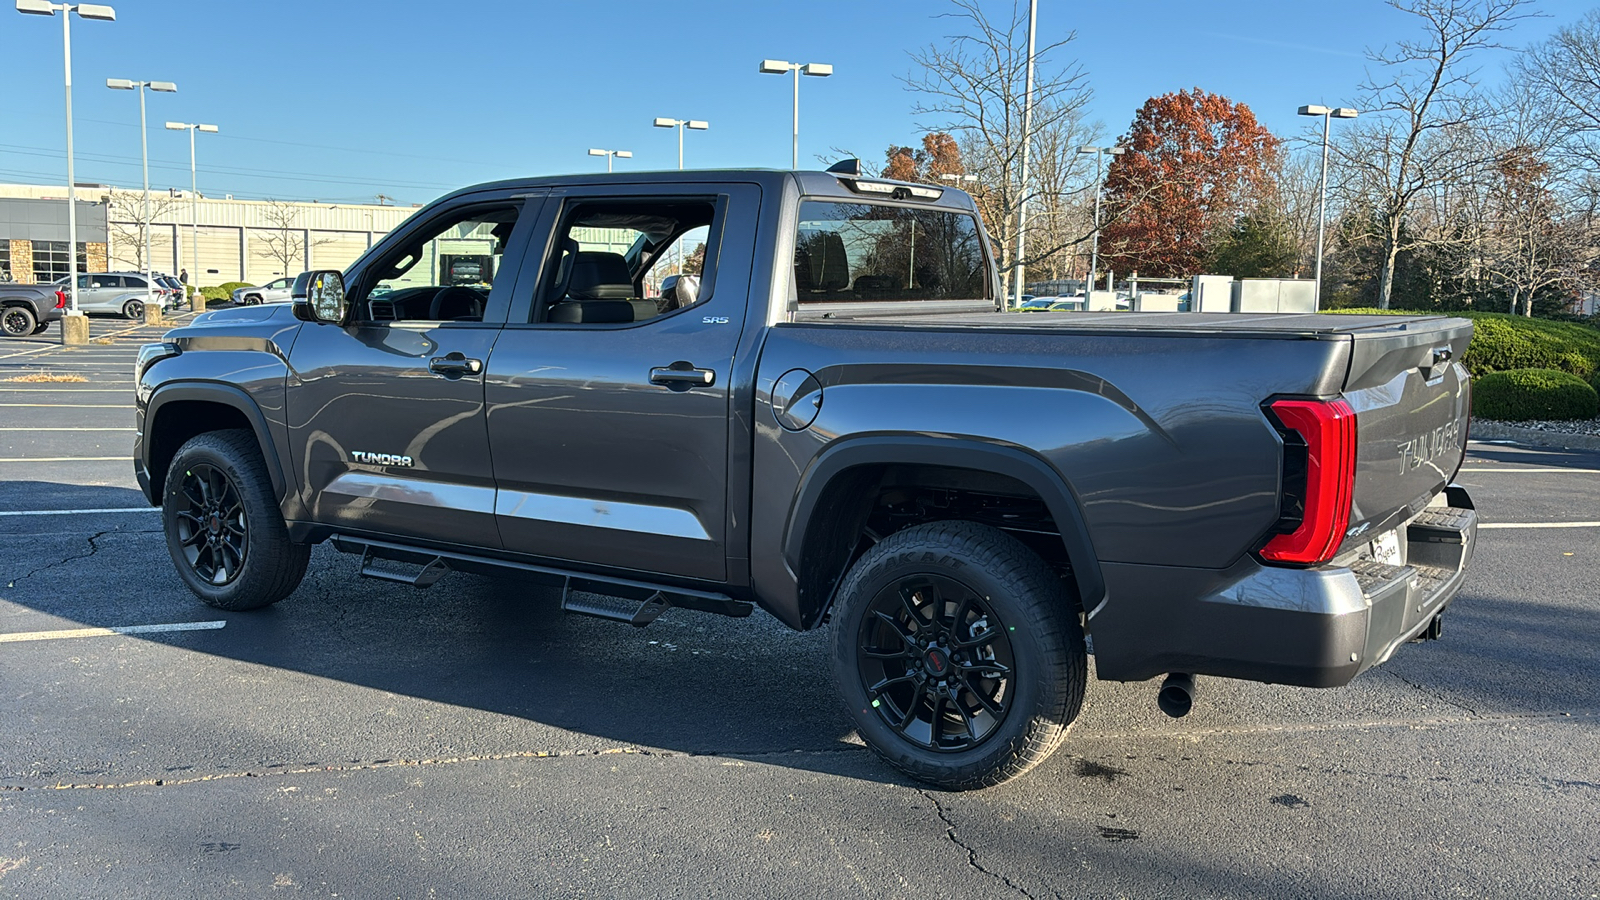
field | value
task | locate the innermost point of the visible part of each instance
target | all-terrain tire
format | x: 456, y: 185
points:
x: 1033, y: 611
x: 266, y: 566
x: 17, y: 321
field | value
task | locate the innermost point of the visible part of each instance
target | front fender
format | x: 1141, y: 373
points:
x: 227, y: 395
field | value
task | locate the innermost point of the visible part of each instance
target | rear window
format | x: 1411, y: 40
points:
x: 866, y: 252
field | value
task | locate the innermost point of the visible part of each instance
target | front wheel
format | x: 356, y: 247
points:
x: 133, y: 309
x: 17, y: 321
x: 959, y: 654
x: 223, y: 526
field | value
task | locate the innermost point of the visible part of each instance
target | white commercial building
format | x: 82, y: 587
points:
x: 237, y: 240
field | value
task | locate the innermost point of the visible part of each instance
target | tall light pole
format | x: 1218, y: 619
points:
x: 613, y: 154
x: 1343, y: 112
x: 194, y: 196
x: 167, y: 87
x: 1094, y: 248
x: 681, y: 124
x: 780, y: 67
x: 1027, y: 139
x: 87, y: 11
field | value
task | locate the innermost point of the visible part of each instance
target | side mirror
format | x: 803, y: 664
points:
x: 319, y: 297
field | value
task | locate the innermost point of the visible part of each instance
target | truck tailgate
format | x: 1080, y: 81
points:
x: 1412, y: 400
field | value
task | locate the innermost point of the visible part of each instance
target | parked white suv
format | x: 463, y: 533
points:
x: 271, y: 292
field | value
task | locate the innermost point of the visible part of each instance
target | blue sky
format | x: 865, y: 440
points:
x: 340, y: 101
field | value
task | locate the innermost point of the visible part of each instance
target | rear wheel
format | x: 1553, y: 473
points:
x: 223, y: 526
x: 959, y: 654
x: 18, y: 321
x: 133, y: 309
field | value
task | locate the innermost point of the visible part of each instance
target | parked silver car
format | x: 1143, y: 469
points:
x: 271, y: 292
x: 119, y: 293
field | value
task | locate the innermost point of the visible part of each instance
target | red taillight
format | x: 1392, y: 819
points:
x: 1328, y: 428
x: 61, y: 299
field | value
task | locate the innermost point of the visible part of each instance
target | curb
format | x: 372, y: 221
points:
x: 1482, y: 430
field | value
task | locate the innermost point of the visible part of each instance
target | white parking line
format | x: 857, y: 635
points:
x: 1539, y: 525
x: 79, y: 512
x: 1549, y: 470
x: 73, y: 405
x: 63, y: 428
x: 17, y: 459
x: 19, y: 636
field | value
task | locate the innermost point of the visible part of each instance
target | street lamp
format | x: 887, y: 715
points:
x: 1094, y: 250
x: 194, y: 195
x: 781, y: 67
x: 166, y: 87
x: 87, y: 11
x: 680, y: 124
x: 1343, y: 112
x: 611, y: 154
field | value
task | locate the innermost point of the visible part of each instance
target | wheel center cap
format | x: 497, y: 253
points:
x: 937, y: 661
x: 215, y: 525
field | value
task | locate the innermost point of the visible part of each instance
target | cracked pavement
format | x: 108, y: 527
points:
x: 363, y: 739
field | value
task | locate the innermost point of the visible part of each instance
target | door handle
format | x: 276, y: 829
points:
x: 454, y: 365
x: 681, y: 376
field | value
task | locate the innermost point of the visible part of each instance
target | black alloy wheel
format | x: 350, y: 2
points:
x: 17, y: 321
x: 133, y: 309
x: 212, y: 528
x: 936, y: 663
x: 958, y: 654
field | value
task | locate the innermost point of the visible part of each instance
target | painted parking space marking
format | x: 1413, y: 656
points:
x: 63, y: 428
x: 1482, y: 525
x: 66, y: 458
x: 110, y: 510
x: 1557, y: 470
x: 63, y: 634
x: 73, y: 405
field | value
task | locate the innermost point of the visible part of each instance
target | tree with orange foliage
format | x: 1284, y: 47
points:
x: 1196, y: 162
x: 939, y: 156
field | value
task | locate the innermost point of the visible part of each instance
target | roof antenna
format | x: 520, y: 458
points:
x: 850, y: 167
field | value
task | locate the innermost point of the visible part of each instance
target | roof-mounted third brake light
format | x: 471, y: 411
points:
x: 891, y: 189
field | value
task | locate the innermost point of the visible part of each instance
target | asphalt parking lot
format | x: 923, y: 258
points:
x: 362, y: 739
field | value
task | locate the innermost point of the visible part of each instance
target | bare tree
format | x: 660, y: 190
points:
x: 1563, y: 75
x: 126, y: 219
x: 283, y: 240
x: 973, y: 88
x: 1414, y: 135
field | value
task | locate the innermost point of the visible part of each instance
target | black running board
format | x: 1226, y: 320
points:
x: 620, y: 599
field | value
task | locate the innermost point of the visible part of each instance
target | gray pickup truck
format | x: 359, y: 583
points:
x: 28, y: 309
x: 834, y: 420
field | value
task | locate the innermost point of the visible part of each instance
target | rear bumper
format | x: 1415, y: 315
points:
x: 1314, y: 627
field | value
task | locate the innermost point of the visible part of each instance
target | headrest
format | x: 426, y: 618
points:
x: 592, y: 312
x: 597, y: 275
x: 820, y: 263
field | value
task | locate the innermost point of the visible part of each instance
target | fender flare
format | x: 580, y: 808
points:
x: 960, y: 453
x: 224, y: 395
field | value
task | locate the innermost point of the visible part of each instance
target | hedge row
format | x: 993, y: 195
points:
x: 1520, y: 395
x: 1502, y: 342
x: 222, y: 291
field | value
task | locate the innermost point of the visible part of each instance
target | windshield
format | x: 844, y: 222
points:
x: 870, y: 252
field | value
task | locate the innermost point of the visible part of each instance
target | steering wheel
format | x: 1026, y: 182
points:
x: 455, y: 302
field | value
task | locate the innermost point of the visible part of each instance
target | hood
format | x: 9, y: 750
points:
x: 243, y: 315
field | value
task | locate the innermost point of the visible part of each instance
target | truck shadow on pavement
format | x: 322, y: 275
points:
x: 691, y: 683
